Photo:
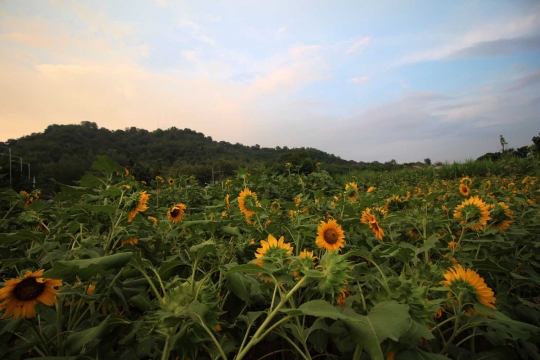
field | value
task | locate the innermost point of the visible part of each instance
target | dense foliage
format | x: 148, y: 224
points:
x: 65, y: 152
x: 412, y: 264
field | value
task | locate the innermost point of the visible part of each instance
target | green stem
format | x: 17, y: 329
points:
x: 256, y: 338
x: 357, y: 352
x: 213, y: 338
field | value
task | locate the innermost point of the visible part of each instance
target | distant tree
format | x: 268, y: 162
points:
x: 536, y: 146
x: 503, y: 142
x: 427, y: 161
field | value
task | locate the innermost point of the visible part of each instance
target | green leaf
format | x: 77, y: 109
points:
x: 387, y: 320
x: 242, y: 286
x: 88, y: 267
x: 415, y: 354
x: 235, y: 231
x: 247, y: 268
x: 203, y: 248
x: 76, y: 341
x: 104, y: 163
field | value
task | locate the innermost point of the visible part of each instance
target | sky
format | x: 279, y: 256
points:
x: 363, y: 80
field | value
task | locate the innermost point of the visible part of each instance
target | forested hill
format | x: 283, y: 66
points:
x: 65, y: 152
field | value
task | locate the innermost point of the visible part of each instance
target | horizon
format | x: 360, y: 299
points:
x: 365, y: 82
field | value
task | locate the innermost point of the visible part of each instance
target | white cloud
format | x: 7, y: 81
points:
x: 197, y: 31
x: 281, y: 30
x: 361, y: 80
x: 191, y: 55
x: 358, y: 46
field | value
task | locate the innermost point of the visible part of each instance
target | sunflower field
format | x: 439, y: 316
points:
x: 266, y: 266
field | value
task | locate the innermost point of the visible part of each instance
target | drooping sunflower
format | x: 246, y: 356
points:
x: 476, y: 212
x: 501, y: 216
x: 140, y: 206
x: 330, y: 236
x: 19, y: 296
x: 371, y: 218
x: 466, y: 180
x: 251, y: 198
x: 467, y: 282
x: 351, y: 190
x: 176, y: 212
x: 464, y: 190
x: 395, y: 203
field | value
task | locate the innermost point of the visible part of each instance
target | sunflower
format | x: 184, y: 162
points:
x: 140, y: 207
x: 460, y: 280
x: 272, y: 248
x: 452, y: 245
x: 176, y: 213
x: 502, y: 216
x: 251, y: 198
x: 466, y: 180
x: 395, y: 203
x: 330, y: 236
x: 154, y: 220
x: 476, y: 213
x: 370, y: 189
x: 159, y: 178
x: 304, y: 254
x: 227, y: 202
x: 464, y: 190
x: 351, y: 189
x: 170, y: 181
x: 132, y: 241
x: 19, y: 296
x: 370, y: 217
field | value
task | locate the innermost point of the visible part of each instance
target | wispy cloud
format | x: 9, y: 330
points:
x: 361, y: 80
x: 526, y: 81
x: 197, y: 31
x: 500, y: 37
x: 358, y: 46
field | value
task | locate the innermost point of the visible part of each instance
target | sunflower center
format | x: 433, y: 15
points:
x: 175, y: 212
x: 28, y: 289
x: 331, y: 236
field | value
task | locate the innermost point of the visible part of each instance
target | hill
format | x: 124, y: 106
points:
x: 65, y: 153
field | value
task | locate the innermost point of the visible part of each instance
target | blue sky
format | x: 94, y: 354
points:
x: 363, y: 80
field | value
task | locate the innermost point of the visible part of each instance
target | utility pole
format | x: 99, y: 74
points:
x: 10, y: 179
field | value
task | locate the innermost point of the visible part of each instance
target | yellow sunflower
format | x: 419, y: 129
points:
x: 176, y: 213
x: 251, y: 197
x: 227, y: 202
x: 502, y: 216
x: 370, y: 217
x: 370, y: 189
x: 452, y: 245
x: 459, y: 280
x: 272, y: 247
x: 464, y: 190
x: 330, y: 236
x: 351, y: 189
x: 132, y: 241
x: 154, y: 220
x: 140, y: 207
x: 171, y: 181
x: 19, y: 296
x: 476, y: 212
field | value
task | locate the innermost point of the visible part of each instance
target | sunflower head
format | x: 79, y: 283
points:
x: 464, y: 190
x: 19, y: 296
x: 273, y: 250
x: 501, y: 216
x: 335, y: 270
x: 370, y: 189
x: 170, y: 181
x: 138, y: 205
x: 330, y: 236
x: 351, y: 190
x: 395, y: 203
x: 247, y: 203
x: 473, y: 212
x: 469, y: 286
x: 176, y: 213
